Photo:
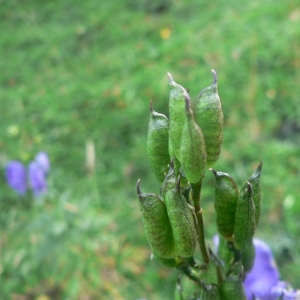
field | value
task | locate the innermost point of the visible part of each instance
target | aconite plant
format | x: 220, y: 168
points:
x: 181, y: 149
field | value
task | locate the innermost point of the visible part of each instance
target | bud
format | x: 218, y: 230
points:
x: 244, y: 226
x: 157, y: 143
x: 192, y: 149
x: 254, y: 179
x: 232, y: 289
x: 176, y: 113
x: 182, y: 221
x: 157, y: 226
x: 226, y: 193
x: 209, y: 116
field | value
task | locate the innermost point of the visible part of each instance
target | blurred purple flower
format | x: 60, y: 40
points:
x: 262, y: 282
x: 264, y: 274
x: 280, y: 291
x: 37, y: 170
x: 43, y: 160
x: 16, y: 176
x: 37, y: 178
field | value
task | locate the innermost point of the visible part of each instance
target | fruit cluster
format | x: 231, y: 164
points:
x: 180, y: 150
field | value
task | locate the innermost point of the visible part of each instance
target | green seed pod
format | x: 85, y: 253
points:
x: 157, y: 143
x: 210, y: 292
x: 248, y: 257
x: 226, y: 193
x: 192, y: 149
x: 182, y: 221
x: 232, y: 288
x: 157, y: 226
x: 244, y: 226
x: 176, y: 113
x: 209, y: 116
x: 254, y: 179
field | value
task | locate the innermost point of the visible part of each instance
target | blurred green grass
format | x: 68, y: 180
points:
x: 73, y: 72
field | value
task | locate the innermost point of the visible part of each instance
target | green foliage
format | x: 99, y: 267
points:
x: 74, y: 72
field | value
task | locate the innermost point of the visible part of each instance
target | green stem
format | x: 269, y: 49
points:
x: 179, y: 287
x: 196, y: 195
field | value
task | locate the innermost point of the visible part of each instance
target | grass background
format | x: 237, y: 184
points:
x: 75, y: 73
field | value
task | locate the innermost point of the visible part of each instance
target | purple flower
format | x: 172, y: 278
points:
x: 16, y: 176
x: 37, y: 170
x: 280, y: 291
x: 37, y: 178
x: 43, y: 160
x: 262, y: 282
x: 264, y: 274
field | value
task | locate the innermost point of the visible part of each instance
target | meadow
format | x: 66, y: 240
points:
x: 76, y: 79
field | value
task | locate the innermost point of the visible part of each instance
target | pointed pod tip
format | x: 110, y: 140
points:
x: 151, y: 106
x: 171, y: 81
x: 215, y: 76
x: 138, y: 191
x: 260, y: 165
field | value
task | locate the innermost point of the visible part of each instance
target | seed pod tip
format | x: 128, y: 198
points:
x: 171, y: 81
x: 151, y: 106
x: 215, y: 76
x: 260, y: 165
x: 138, y: 191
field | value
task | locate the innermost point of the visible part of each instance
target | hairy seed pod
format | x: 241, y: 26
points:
x: 248, y: 257
x: 254, y: 179
x: 157, y: 143
x: 157, y: 226
x: 232, y: 288
x: 210, y: 292
x: 209, y: 116
x: 182, y: 221
x: 226, y: 193
x: 244, y: 226
x: 176, y: 114
x: 192, y: 149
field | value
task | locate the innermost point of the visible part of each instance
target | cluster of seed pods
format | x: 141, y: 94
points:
x: 180, y: 150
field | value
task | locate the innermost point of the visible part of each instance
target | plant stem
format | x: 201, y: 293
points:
x: 196, y: 195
